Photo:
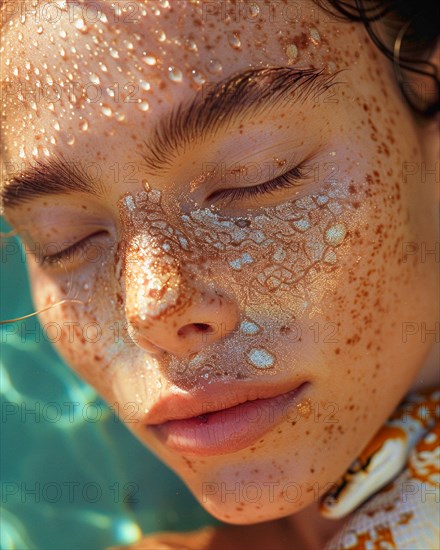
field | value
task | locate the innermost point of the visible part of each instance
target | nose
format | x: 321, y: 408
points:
x: 171, y: 309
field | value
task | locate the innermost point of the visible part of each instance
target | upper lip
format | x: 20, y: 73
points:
x: 181, y: 405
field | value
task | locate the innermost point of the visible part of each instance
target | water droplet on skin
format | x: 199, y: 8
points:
x: 150, y: 60
x: 214, y: 66
x: 106, y: 110
x: 234, y: 40
x: 198, y: 77
x: 292, y: 51
x: 63, y: 34
x: 70, y: 140
x: 80, y: 25
x: 56, y: 125
x: 119, y: 116
x: 114, y: 53
x: 144, y: 85
x: 190, y: 45
x: 254, y: 11
x: 160, y: 36
x: 129, y: 45
x: 40, y: 30
x: 94, y: 78
x: 175, y: 74
x: 84, y: 125
x: 144, y: 106
x: 260, y: 358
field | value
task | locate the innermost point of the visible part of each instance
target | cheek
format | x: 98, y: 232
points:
x: 81, y: 322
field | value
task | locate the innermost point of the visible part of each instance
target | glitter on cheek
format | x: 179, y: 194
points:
x: 335, y: 234
x: 260, y: 358
x: 249, y: 328
x: 279, y: 266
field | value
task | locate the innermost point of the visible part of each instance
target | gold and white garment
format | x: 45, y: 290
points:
x: 393, y: 489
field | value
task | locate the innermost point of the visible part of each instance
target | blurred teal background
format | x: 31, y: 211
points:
x: 72, y: 476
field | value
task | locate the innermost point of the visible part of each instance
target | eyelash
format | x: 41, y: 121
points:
x: 289, y: 179
x: 50, y: 261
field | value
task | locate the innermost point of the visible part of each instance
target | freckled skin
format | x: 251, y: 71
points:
x: 327, y: 287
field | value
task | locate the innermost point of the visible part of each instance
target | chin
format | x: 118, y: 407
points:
x: 247, y: 493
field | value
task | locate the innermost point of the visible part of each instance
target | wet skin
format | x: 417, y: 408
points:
x: 311, y: 282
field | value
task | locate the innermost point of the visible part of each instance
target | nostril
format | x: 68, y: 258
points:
x: 195, y: 327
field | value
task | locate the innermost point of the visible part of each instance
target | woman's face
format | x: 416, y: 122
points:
x: 197, y: 290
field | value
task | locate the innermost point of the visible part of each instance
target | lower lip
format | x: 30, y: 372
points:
x: 229, y: 430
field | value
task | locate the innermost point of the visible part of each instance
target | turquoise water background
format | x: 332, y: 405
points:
x: 72, y: 475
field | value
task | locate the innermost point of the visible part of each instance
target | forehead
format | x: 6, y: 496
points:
x: 78, y: 66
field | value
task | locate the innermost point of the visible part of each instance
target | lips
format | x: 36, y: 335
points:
x: 203, y: 425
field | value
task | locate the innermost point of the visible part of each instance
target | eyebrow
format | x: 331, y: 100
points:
x: 214, y: 107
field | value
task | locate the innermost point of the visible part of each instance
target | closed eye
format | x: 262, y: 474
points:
x: 287, y: 180
x: 72, y: 253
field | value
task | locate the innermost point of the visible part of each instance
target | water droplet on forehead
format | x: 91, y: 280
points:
x: 144, y: 85
x: 149, y: 60
x: 253, y: 10
x: 160, y: 35
x: 63, y: 33
x: 80, y: 25
x: 198, y: 77
x: 214, y: 66
x: 190, y: 45
x: 144, y: 106
x: 175, y: 74
x: 40, y: 30
x: 84, y: 125
x: 70, y: 140
x: 114, y: 53
x: 106, y: 110
x: 57, y: 126
x: 234, y: 40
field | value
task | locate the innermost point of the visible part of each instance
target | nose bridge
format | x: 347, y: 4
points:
x: 156, y: 286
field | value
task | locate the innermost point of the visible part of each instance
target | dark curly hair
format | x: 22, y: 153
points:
x: 406, y: 32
